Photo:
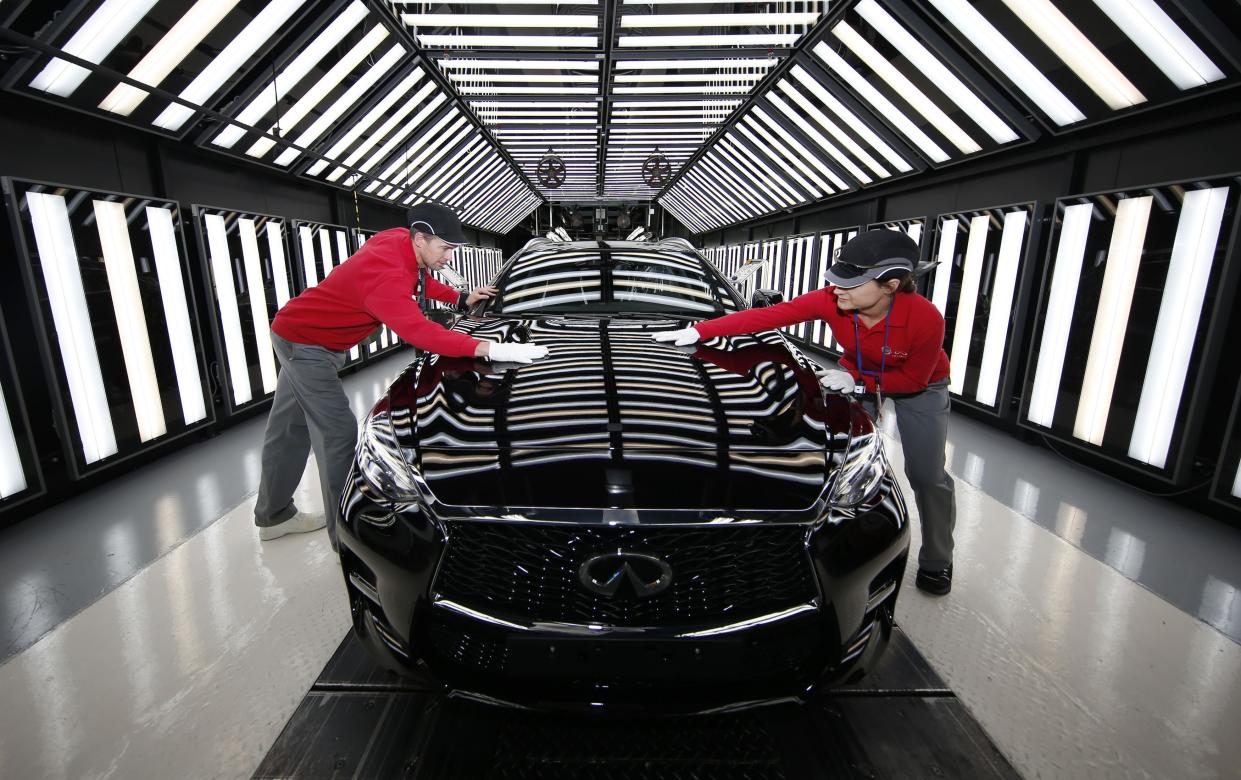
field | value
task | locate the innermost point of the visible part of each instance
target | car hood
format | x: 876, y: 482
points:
x: 611, y: 418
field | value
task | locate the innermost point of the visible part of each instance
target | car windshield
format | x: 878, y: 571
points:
x: 610, y: 281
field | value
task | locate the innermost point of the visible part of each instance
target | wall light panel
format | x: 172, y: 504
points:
x: 20, y: 477
x: 115, y: 323
x: 1127, y: 337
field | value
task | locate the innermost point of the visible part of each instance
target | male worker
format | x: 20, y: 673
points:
x: 311, y: 334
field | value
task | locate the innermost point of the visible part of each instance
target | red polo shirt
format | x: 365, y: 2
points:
x: 915, y: 329
x: 375, y: 286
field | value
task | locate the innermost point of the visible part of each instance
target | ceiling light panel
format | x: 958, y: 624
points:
x: 663, y: 25
x: 1096, y: 380
x: 20, y: 477
x: 194, y: 49
x: 1077, y: 63
x: 894, y: 64
x: 532, y: 26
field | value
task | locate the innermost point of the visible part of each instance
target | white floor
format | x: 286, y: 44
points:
x: 191, y: 667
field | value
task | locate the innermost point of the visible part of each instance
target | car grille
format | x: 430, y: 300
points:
x: 719, y: 573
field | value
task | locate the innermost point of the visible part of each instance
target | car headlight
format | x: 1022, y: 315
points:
x: 861, y: 471
x: 380, y: 463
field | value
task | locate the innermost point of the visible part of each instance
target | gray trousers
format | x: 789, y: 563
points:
x: 922, y: 420
x: 309, y: 410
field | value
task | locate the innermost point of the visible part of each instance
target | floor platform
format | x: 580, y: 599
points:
x: 902, y: 721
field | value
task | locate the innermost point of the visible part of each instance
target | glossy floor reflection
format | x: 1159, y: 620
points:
x: 1091, y: 630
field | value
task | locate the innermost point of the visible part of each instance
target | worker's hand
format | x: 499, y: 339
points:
x: 679, y: 338
x: 836, y: 381
x: 510, y: 352
x: 480, y: 294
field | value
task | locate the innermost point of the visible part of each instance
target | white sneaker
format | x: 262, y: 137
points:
x: 297, y: 524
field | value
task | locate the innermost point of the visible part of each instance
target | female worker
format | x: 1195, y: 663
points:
x: 892, y: 339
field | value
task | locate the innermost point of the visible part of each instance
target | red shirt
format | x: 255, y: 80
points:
x: 375, y: 286
x: 915, y: 329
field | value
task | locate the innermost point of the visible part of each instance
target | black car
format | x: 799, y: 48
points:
x: 623, y: 523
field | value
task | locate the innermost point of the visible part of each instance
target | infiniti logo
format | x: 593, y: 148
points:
x: 606, y: 574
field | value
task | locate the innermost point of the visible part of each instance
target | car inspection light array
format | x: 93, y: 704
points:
x: 345, y: 100
x: 886, y: 88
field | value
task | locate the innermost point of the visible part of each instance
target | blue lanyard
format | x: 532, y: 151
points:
x: 883, y: 359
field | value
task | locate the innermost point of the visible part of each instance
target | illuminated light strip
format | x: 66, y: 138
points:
x: 325, y: 251
x: 131, y: 322
x: 1075, y: 49
x: 967, y: 304
x: 176, y: 313
x: 789, y: 186
x: 171, y: 49
x: 794, y: 150
x: 343, y: 103
x: 716, y: 20
x: 260, y: 29
x: 305, y: 238
x: 820, y: 140
x: 307, y: 102
x: 292, y: 74
x: 409, y: 127
x: 1057, y: 319
x: 884, y: 106
x: 708, y: 40
x: 1236, y: 483
x: 1011, y: 62
x: 1189, y: 271
x: 275, y: 248
x: 1162, y: 41
x: 853, y: 121
x: 448, y: 124
x: 906, y: 89
x: 59, y: 259
x: 1003, y: 288
x: 12, y: 475
x: 549, y: 21
x: 259, y: 318
x: 834, y: 129
x: 476, y: 42
x: 230, y: 317
x: 943, y: 264
x: 439, y: 149
x: 945, y: 80
x: 1124, y: 257
x: 97, y: 36
x: 451, y: 64
x: 734, y: 161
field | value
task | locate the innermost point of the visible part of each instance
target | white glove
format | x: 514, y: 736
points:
x: 512, y: 352
x: 835, y: 381
x: 680, y: 338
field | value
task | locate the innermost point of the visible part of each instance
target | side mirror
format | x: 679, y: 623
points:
x: 445, y: 317
x: 766, y: 298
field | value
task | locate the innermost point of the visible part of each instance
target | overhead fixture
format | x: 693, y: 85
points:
x: 1162, y: 41
x: 762, y: 39
x: 93, y: 41
x: 476, y: 42
x: 505, y: 21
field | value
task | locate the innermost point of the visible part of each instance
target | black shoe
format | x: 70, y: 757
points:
x: 935, y: 582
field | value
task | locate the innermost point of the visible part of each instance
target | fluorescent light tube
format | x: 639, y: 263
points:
x: 12, y: 475
x: 850, y: 119
x: 454, y: 64
x: 315, y: 95
x: 1003, y: 289
x: 226, y: 300
x: 222, y: 67
x: 167, y: 53
x: 945, y: 80
x: 1061, y: 36
x: 1120, y: 275
x: 1176, y: 329
x: 1012, y: 63
x: 967, y: 303
x: 943, y: 264
x: 308, y: 256
x: 1058, y: 316
x: 173, y: 294
x: 548, y: 21
x: 325, y: 251
x: 292, y: 74
x: 766, y: 39
x: 58, y: 257
x: 93, y: 41
x: 819, y: 139
x: 670, y: 78
x: 348, y: 99
x: 718, y: 20
x: 475, y: 42
x: 882, y: 105
x: 275, y: 250
x: 131, y: 323
x: 1165, y: 44
x: 385, y: 131
x: 704, y: 64
x: 260, y: 320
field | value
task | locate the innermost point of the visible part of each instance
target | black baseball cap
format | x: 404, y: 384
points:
x: 875, y: 254
x: 436, y: 220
